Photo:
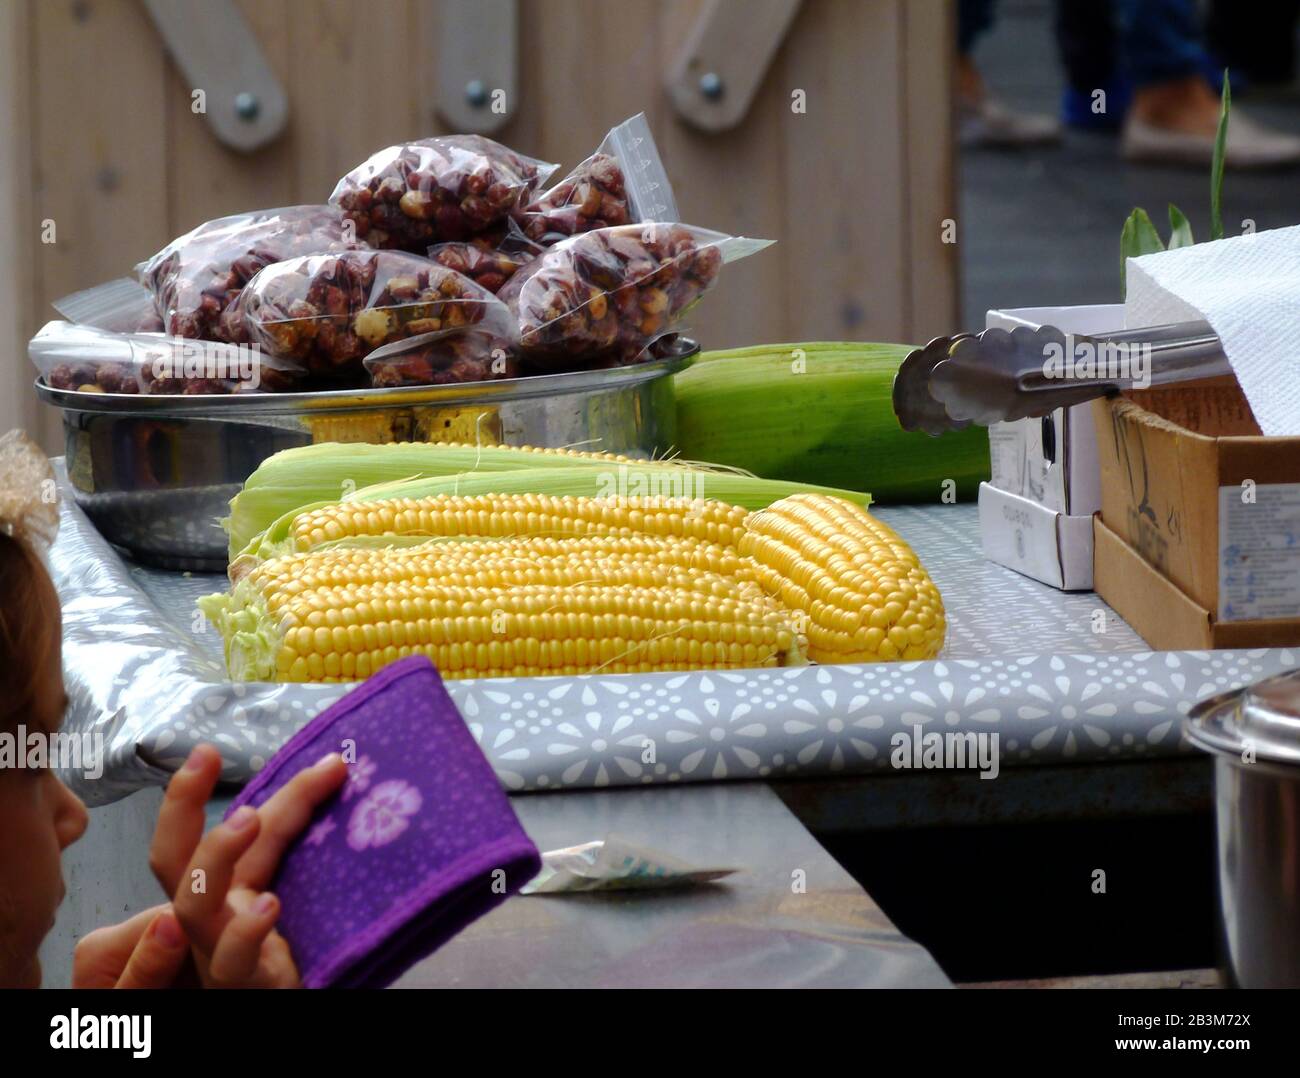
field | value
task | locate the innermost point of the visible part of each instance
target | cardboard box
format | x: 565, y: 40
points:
x: 1199, y: 539
x: 1036, y: 512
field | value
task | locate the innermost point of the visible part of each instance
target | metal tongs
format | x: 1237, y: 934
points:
x: 997, y: 375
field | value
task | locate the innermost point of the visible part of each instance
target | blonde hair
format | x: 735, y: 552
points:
x: 30, y: 627
x: 30, y: 622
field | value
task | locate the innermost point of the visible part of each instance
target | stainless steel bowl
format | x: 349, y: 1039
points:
x: 155, y: 473
x: 1254, y: 734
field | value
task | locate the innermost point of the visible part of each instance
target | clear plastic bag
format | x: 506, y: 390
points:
x: 196, y: 277
x: 121, y: 305
x: 474, y: 355
x: 623, y: 182
x: 603, y: 297
x: 89, y: 359
x: 328, y: 312
x: 488, y: 260
x: 451, y: 187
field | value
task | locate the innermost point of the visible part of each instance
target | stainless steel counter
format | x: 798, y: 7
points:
x: 791, y: 917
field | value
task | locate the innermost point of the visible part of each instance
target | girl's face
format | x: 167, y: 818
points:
x: 39, y: 818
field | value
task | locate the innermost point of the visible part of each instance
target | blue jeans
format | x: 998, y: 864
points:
x: 1152, y: 40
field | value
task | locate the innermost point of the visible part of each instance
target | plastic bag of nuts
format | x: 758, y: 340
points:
x: 488, y: 260
x: 476, y: 355
x: 93, y: 360
x: 121, y: 305
x: 623, y: 182
x: 608, y: 294
x: 451, y: 187
x: 330, y: 311
x: 196, y: 277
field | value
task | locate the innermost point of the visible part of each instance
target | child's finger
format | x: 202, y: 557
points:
x: 181, y: 819
x: 101, y: 955
x: 200, y: 900
x: 158, y: 956
x: 238, y: 951
x: 285, y: 815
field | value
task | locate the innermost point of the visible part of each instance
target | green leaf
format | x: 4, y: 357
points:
x: 1139, y: 237
x: 1180, y: 229
x: 1216, y: 169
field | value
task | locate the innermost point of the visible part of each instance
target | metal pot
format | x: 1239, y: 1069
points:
x: 154, y: 473
x: 1254, y: 734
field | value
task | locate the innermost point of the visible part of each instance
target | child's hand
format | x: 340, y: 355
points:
x: 216, y: 880
x: 148, y: 951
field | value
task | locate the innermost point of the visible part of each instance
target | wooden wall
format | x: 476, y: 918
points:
x: 98, y: 136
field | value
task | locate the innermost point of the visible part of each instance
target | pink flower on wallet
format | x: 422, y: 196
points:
x: 359, y: 775
x: 321, y: 831
x: 382, y: 816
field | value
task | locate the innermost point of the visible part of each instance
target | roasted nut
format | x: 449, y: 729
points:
x: 435, y: 190
x: 483, y: 262
x: 328, y: 312
x: 592, y: 196
x: 474, y: 356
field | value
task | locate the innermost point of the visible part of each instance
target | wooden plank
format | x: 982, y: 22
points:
x: 18, y: 226
x: 208, y: 179
x: 580, y: 77
x: 358, y: 82
x: 930, y: 187
x: 844, y: 229
x: 735, y: 181
x: 99, y: 156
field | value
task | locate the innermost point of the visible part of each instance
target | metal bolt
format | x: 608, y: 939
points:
x: 476, y: 93
x: 247, y: 106
x: 711, y: 85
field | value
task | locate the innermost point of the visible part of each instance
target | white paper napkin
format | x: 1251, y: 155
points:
x: 1247, y: 288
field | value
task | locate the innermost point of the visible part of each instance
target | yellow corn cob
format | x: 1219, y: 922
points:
x: 526, y: 585
x: 492, y: 515
x: 345, y: 566
x: 479, y: 613
x: 862, y: 588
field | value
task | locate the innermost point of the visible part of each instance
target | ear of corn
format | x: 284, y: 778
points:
x: 570, y: 585
x: 289, y: 480
x: 820, y: 412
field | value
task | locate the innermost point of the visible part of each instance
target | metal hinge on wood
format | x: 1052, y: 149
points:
x: 713, y: 80
x: 217, y: 53
x: 476, y: 46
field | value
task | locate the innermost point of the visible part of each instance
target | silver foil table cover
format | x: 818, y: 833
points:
x: 1058, y: 677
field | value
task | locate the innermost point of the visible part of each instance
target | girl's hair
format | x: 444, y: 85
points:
x: 30, y: 627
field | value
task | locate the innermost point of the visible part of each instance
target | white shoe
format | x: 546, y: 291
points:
x: 991, y: 123
x: 1249, y: 145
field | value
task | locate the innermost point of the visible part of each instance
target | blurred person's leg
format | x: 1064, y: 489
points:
x: 1255, y: 38
x: 1085, y: 37
x: 1175, y: 112
x: 982, y: 119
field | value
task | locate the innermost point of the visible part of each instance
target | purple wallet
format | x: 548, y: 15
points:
x: 419, y: 843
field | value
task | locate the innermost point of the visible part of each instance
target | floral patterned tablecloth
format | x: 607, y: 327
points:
x: 1056, y: 676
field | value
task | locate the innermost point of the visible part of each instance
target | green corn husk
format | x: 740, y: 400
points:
x: 329, y: 470
x: 831, y: 423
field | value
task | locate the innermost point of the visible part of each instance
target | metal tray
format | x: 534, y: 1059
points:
x: 154, y: 473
